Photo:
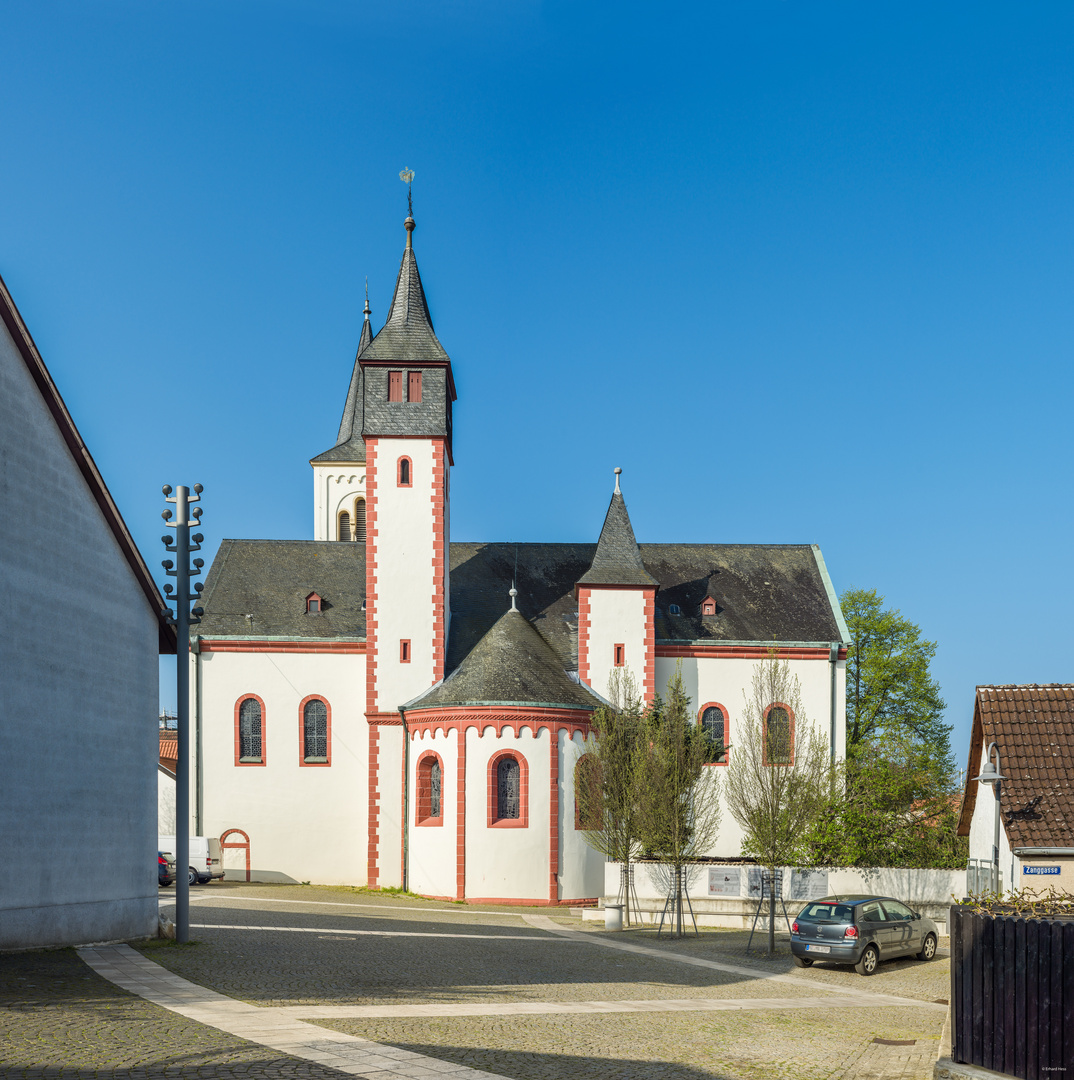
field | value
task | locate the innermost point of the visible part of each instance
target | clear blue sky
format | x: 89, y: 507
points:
x: 802, y: 270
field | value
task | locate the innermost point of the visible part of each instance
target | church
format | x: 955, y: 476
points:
x: 385, y: 706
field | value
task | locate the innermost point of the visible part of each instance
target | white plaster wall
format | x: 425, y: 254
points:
x: 432, y: 848
x: 78, y: 667
x: 507, y: 863
x: 390, y: 788
x: 335, y: 487
x: 725, y: 680
x: 983, y: 835
x: 581, y: 867
x: 165, y: 803
x: 306, y: 823
x: 616, y: 616
x: 405, y: 578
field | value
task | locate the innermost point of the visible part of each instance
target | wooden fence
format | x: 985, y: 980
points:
x: 1012, y: 993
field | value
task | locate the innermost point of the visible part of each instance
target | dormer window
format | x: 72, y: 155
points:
x: 708, y: 606
x: 674, y: 609
x: 313, y: 604
x: 395, y: 386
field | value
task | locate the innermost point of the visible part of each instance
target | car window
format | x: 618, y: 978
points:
x: 871, y: 913
x: 897, y: 911
x: 825, y: 912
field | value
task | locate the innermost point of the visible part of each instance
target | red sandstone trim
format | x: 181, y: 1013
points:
x: 264, y: 733
x: 747, y: 652
x: 383, y: 718
x: 523, y: 819
x: 208, y: 646
x: 460, y: 817
x: 372, y: 871
x: 502, y: 718
x: 246, y: 845
x: 648, y: 682
x: 371, y: 448
x: 726, y: 729
x: 553, y: 819
x: 514, y: 901
x: 302, y: 734
x: 583, y: 633
x: 399, y: 481
x: 440, y: 566
x: 423, y: 795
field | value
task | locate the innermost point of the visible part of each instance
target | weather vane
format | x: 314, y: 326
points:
x: 407, y: 176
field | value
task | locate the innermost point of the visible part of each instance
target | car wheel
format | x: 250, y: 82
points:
x: 802, y: 961
x: 869, y: 960
x: 193, y: 877
x: 928, y: 948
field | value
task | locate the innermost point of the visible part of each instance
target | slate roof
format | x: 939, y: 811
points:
x: 765, y: 592
x: 617, y: 560
x: 350, y: 446
x: 407, y: 335
x: 1033, y: 727
x: 511, y: 665
x: 270, y: 580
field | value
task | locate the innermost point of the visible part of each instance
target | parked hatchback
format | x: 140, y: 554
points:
x: 860, y: 930
x: 165, y: 868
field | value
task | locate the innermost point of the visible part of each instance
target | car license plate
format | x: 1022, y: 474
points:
x: 818, y: 948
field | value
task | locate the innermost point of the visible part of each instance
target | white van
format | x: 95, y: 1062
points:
x: 205, y: 862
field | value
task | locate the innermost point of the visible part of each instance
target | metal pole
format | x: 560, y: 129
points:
x: 995, y: 843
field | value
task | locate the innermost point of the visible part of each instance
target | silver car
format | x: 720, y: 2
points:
x: 860, y: 930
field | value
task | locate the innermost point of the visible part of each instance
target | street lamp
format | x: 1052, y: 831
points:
x: 990, y: 775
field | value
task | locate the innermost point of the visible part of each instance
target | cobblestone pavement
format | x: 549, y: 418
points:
x: 494, y: 956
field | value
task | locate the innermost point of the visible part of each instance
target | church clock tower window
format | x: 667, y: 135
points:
x: 395, y: 386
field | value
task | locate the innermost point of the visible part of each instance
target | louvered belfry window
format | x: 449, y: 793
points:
x: 315, y: 731
x: 395, y: 386
x: 345, y: 526
x: 359, y: 520
x: 507, y: 789
x: 250, y: 730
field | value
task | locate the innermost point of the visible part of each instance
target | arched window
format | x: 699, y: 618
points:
x: 359, y: 520
x: 314, y: 732
x: 508, y: 795
x: 778, y: 735
x: 405, y: 470
x: 713, y: 718
x: 430, y: 781
x: 344, y: 526
x: 250, y: 731
x: 587, y: 794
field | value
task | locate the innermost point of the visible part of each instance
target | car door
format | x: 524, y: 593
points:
x: 902, y: 929
x: 872, y: 926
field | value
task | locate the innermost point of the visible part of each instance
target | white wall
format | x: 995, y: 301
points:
x: 616, y: 617
x: 165, y: 802
x: 390, y: 790
x: 306, y: 823
x: 432, y: 854
x: 78, y: 663
x: 581, y: 872
x: 507, y: 863
x: 335, y: 487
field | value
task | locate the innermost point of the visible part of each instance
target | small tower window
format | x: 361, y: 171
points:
x: 313, y: 604
x: 404, y: 651
x: 395, y: 386
x: 344, y: 526
x: 359, y: 521
x: 619, y: 653
x: 413, y: 386
x: 404, y: 472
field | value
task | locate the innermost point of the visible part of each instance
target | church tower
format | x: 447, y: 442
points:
x: 404, y: 382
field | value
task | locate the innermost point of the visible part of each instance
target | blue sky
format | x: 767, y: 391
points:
x: 803, y: 271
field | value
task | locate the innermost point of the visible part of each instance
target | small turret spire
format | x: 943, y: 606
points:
x: 513, y: 592
x: 618, y: 473
x: 366, y: 310
x: 407, y: 176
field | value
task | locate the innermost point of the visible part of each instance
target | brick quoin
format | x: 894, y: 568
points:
x: 553, y: 818
x: 649, y: 667
x: 371, y: 448
x: 583, y: 635
x: 439, y: 566
x: 372, y: 871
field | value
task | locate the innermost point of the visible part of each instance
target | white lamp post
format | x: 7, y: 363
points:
x: 990, y: 775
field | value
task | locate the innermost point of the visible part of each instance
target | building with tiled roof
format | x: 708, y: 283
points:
x: 1032, y: 729
x: 384, y: 705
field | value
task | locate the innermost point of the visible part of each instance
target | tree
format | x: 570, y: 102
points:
x: 678, y: 799
x: 891, y: 694
x: 780, y: 775
x: 606, y: 778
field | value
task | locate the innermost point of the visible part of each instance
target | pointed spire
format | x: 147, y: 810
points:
x: 513, y: 592
x: 617, y: 560
x: 367, y: 327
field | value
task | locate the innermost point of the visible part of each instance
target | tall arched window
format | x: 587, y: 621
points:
x: 508, y: 795
x: 713, y: 719
x: 359, y: 520
x: 588, y: 805
x: 249, y: 734
x: 345, y: 525
x: 430, y: 780
x: 405, y: 469
x: 778, y: 736
x: 315, y: 732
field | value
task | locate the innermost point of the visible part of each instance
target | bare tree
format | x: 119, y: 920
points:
x: 606, y: 779
x: 780, y: 772
x: 678, y: 798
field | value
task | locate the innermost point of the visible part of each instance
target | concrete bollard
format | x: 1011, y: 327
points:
x: 613, y: 916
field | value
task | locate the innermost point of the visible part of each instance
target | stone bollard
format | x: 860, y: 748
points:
x: 613, y: 916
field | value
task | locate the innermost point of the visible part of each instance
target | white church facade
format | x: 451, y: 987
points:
x: 384, y: 706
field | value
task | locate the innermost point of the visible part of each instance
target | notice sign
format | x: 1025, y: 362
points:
x: 725, y: 881
x: 1040, y: 870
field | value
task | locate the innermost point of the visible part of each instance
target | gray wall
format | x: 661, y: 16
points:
x: 78, y: 697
